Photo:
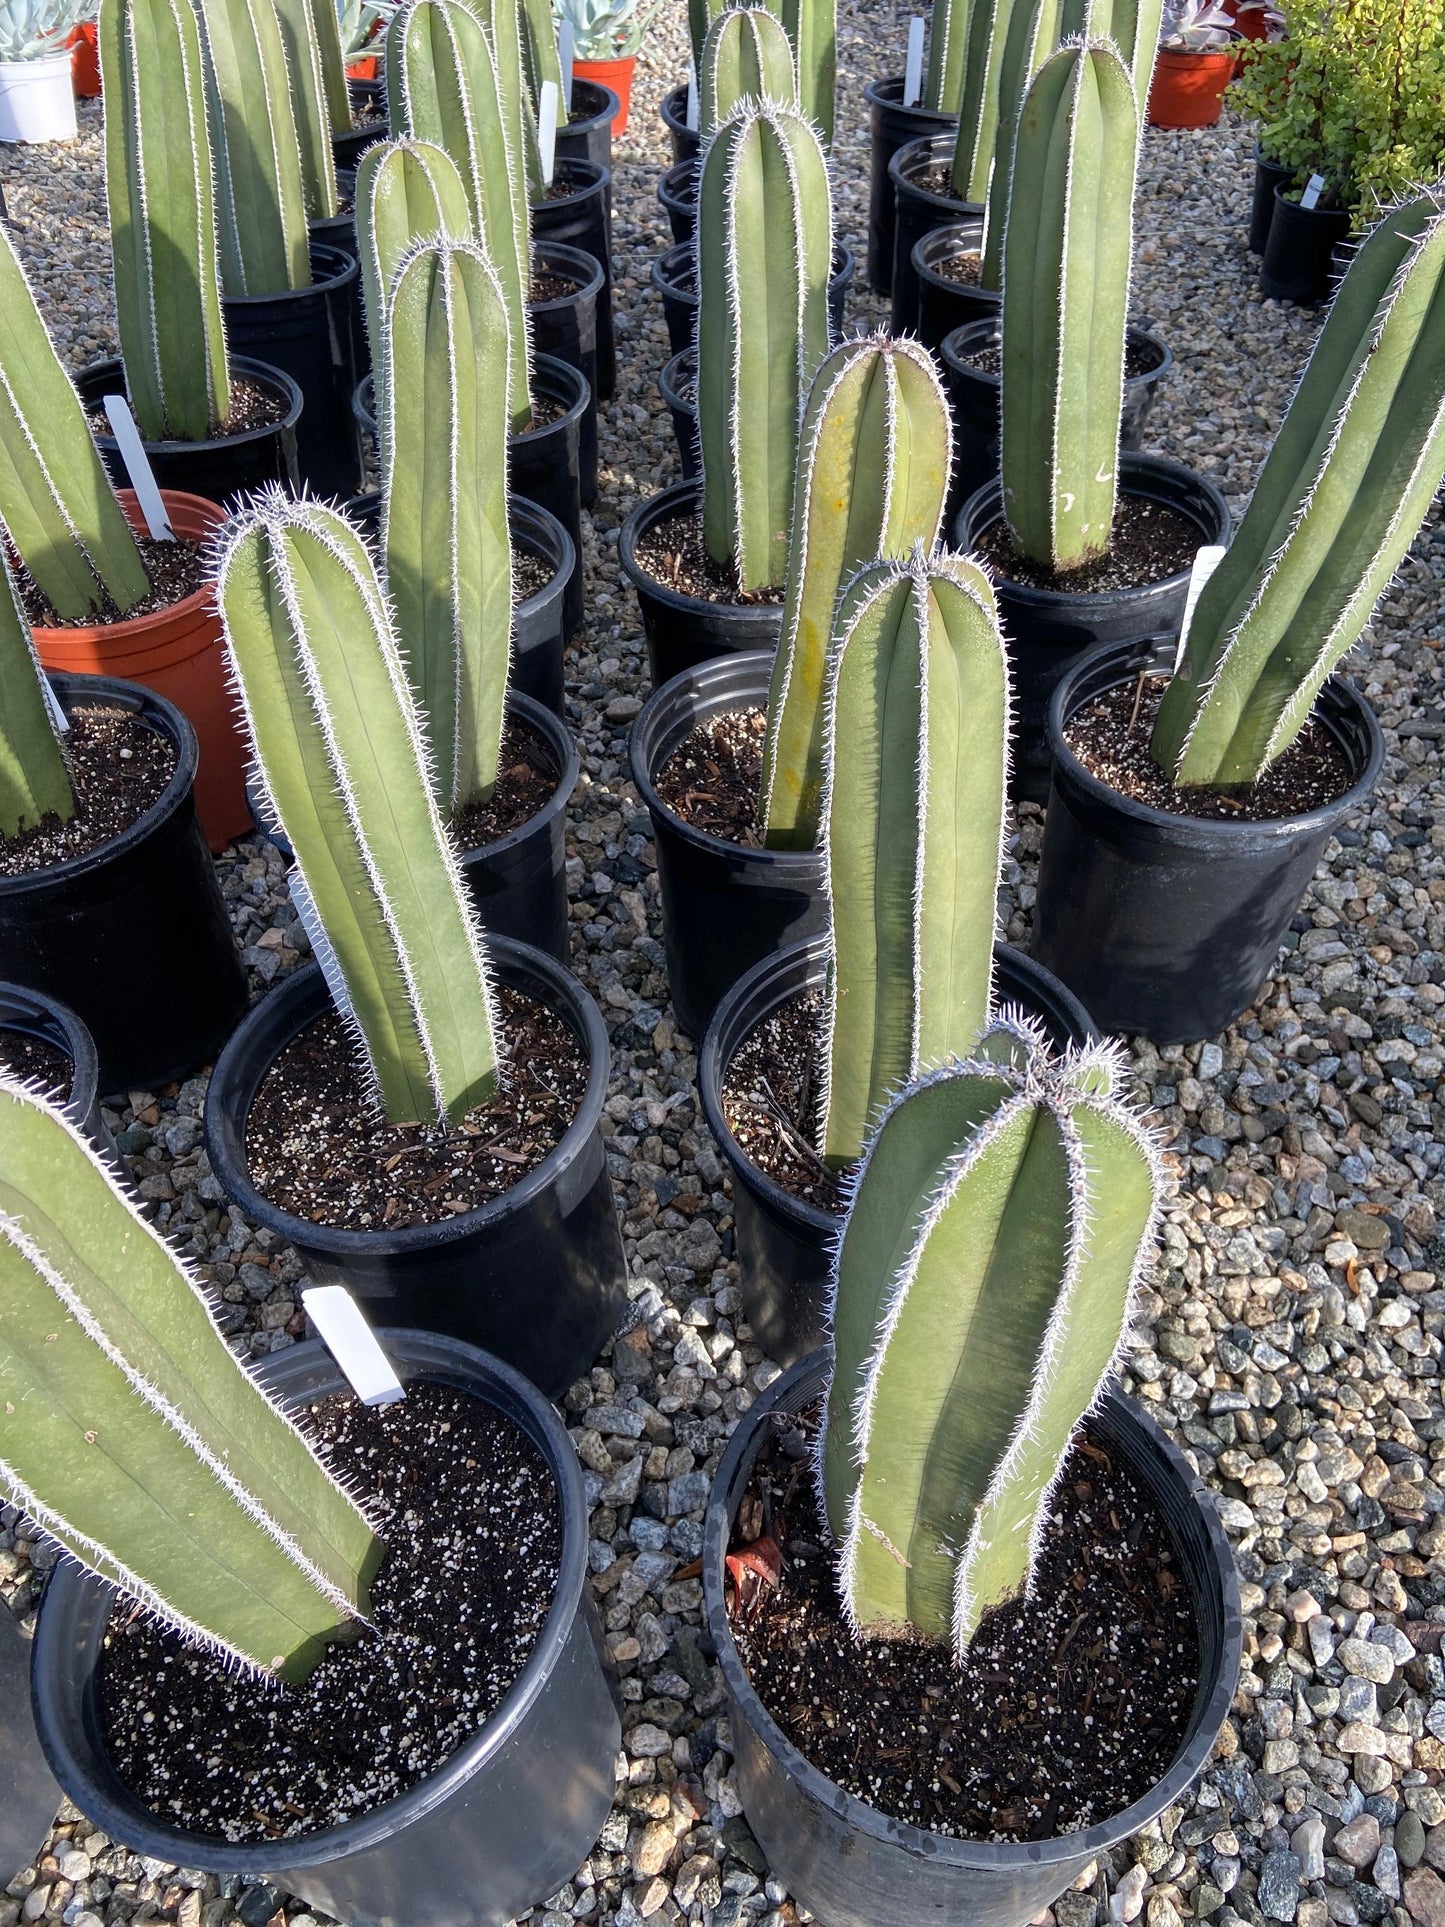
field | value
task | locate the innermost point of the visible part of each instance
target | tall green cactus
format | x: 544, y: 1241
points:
x: 261, y: 197
x: 874, y: 457
x: 978, y: 95
x: 326, y: 28
x: 764, y: 249
x: 133, y: 1435
x: 812, y: 27
x: 1132, y: 25
x: 1066, y: 303
x: 56, y: 501
x: 34, y: 779
x: 444, y: 486
x: 917, y: 767
x: 406, y: 191
x: 301, y: 22
x: 539, y: 50
x: 1033, y: 33
x: 161, y: 200
x: 502, y: 22
x: 981, y: 1290
x: 700, y: 16
x: 747, y: 57
x: 1353, y: 471
x: 340, y: 746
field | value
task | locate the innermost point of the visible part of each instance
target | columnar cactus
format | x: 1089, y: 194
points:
x: 539, y: 49
x: 502, y: 22
x: 978, y: 94
x: 163, y: 218
x: 56, y: 501
x: 130, y: 1431
x: 1353, y: 471
x: 873, y: 463
x: 406, y: 192
x: 1132, y: 25
x: 746, y: 58
x: 1033, y: 34
x: 444, y: 484
x: 813, y: 29
x: 981, y: 1290
x: 1066, y: 302
x: 917, y: 768
x: 301, y: 22
x: 765, y: 245
x: 340, y: 747
x: 700, y: 16
x: 261, y: 197
x: 34, y: 780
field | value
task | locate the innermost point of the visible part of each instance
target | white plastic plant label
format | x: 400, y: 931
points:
x: 565, y: 57
x: 690, y: 117
x: 142, y: 480
x: 913, y: 69
x: 1314, y: 187
x: 1206, y: 561
x: 52, y: 702
x: 547, y: 128
x: 352, y: 1343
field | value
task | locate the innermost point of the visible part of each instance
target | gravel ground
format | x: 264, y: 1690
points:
x: 1292, y: 1338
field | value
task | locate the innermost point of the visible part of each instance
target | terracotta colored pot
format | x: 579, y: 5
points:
x: 1188, y: 88
x: 84, y: 61
x: 616, y: 74
x: 364, y: 69
x: 178, y: 653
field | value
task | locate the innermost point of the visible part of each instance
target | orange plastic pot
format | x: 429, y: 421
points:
x: 177, y: 652
x: 84, y: 61
x: 616, y: 74
x: 1188, y: 88
x: 363, y: 69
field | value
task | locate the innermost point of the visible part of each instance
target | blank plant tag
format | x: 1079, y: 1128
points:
x: 352, y: 1343
x: 1206, y: 561
x: 547, y: 128
x: 565, y: 57
x: 690, y: 117
x: 913, y: 70
x: 52, y: 703
x: 137, y: 466
x: 1314, y: 187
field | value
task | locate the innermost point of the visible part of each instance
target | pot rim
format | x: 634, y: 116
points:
x: 582, y: 178
x: 925, y: 150
x: 584, y: 270
x: 78, y: 1043
x: 964, y: 236
x: 602, y: 116
x: 561, y: 374
x: 332, y: 268
x: 1133, y: 331
x: 555, y: 734
x: 887, y: 93
x: 683, y: 255
x: 677, y: 496
x: 673, y: 187
x: 132, y: 628
x: 264, y: 373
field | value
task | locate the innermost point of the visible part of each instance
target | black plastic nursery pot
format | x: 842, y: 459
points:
x: 348, y: 146
x: 943, y: 303
x: 784, y: 1244
x: 853, y: 1866
x: 519, y: 881
x: 581, y: 218
x: 684, y: 630
x: 545, y: 464
x: 917, y: 210
x: 685, y: 140
x: 339, y: 230
x: 891, y: 125
x: 678, y: 386
x: 29, y: 1796
x: 725, y: 906
x: 510, y: 1815
x: 588, y: 133
x: 1299, y: 253
x: 1047, y: 630
x: 31, y: 1013
x: 674, y: 275
x: 565, y: 327
x: 537, y: 1276
x: 677, y: 189
x: 224, y: 466
x: 1268, y: 175
x: 312, y: 335
x: 134, y: 935
x: 1168, y: 926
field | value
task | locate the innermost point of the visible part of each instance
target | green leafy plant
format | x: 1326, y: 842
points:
x: 34, y: 775
x: 406, y: 191
x: 982, y: 1286
x: 133, y: 1435
x: 256, y: 147
x: 747, y: 58
x: 604, y: 29
x: 357, y: 22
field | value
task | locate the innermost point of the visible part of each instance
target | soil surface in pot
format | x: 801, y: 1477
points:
x: 1111, y: 739
x: 771, y: 1097
x: 1067, y: 1707
x: 549, y: 287
x: 526, y: 781
x: 37, y: 1061
x: 119, y: 767
x: 966, y: 269
x: 316, y: 1148
x: 713, y: 778
x: 1151, y: 542
x: 252, y: 406
x: 546, y: 410
x: 674, y: 554
x: 368, y: 113
x: 936, y: 178
x: 176, y: 570
x: 1140, y: 358
x: 468, y: 1511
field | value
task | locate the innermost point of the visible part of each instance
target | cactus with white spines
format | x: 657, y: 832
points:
x: 913, y: 826
x: 56, y: 501
x: 874, y: 455
x: 978, y: 96
x: 444, y: 485
x: 1350, y: 478
x: 1032, y: 34
x: 764, y: 252
x: 982, y: 1288
x: 812, y: 27
x: 540, y: 52
x: 1067, y: 253
x: 503, y: 24
x: 1132, y: 25
x: 747, y: 57
x: 161, y: 201
x: 311, y: 103
x: 407, y: 191
x: 34, y: 776
x: 132, y: 1434
x: 343, y: 758
x: 256, y: 148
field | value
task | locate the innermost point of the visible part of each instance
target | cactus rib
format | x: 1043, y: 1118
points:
x: 34, y: 779
x: 746, y: 58
x: 407, y: 191
x: 257, y: 150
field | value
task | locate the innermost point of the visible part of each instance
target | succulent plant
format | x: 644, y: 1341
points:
x: 1196, y: 26
x: 913, y: 823
x: 540, y: 51
x: 982, y: 55
x: 407, y: 191
x: 981, y: 1289
x: 1067, y: 255
x: 163, y: 219
x: 130, y: 1431
x: 314, y: 71
x: 34, y: 778
x: 605, y: 29
x: 874, y: 455
x: 1033, y: 34
x: 256, y: 148
x: 356, y: 25
x: 765, y: 245
x: 344, y: 762
x: 56, y: 502
x: 1347, y: 484
x: 813, y: 29
x: 31, y: 29
x: 746, y: 58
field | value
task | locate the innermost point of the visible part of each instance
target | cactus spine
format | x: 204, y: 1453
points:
x: 447, y: 545
x: 747, y: 57
x: 501, y: 20
x: 1066, y: 302
x: 34, y: 780
x: 917, y: 759
x: 1132, y: 25
x: 982, y: 1287
x: 163, y: 219
x: 979, y: 83
x: 406, y: 192
x: 1033, y: 34
x: 300, y: 22
x: 874, y: 456
x: 56, y: 501
x: 813, y: 29
x: 539, y: 50
x: 765, y: 244
x: 130, y: 1431
x: 340, y: 747
x: 257, y: 149
x: 1350, y: 478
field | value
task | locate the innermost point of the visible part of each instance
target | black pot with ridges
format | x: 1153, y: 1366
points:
x: 564, y: 325
x: 348, y: 146
x: 891, y: 125
x: 30, y: 1013
x: 1268, y: 175
x: 588, y: 133
x: 684, y: 139
x: 944, y: 303
x: 1299, y: 255
x: 577, y: 213
x: 918, y: 209
x: 674, y: 275
x: 677, y: 190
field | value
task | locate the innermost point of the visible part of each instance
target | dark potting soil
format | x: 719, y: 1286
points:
x: 936, y: 178
x: 549, y: 287
x: 526, y: 781
x: 368, y: 113
x: 673, y: 553
x: 1067, y: 1707
x: 965, y: 269
x: 1150, y: 544
x: 119, y: 767
x: 252, y: 406
x: 37, y: 1062
x: 546, y: 409
x: 713, y: 778
x: 771, y: 1099
x: 1139, y: 359
x: 469, y: 1515
x: 1111, y: 739
x: 176, y: 570
x: 529, y: 574
x: 316, y: 1148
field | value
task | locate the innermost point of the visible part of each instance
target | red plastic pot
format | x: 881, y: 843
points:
x: 84, y: 61
x: 616, y: 74
x: 1188, y: 88
x: 367, y: 68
